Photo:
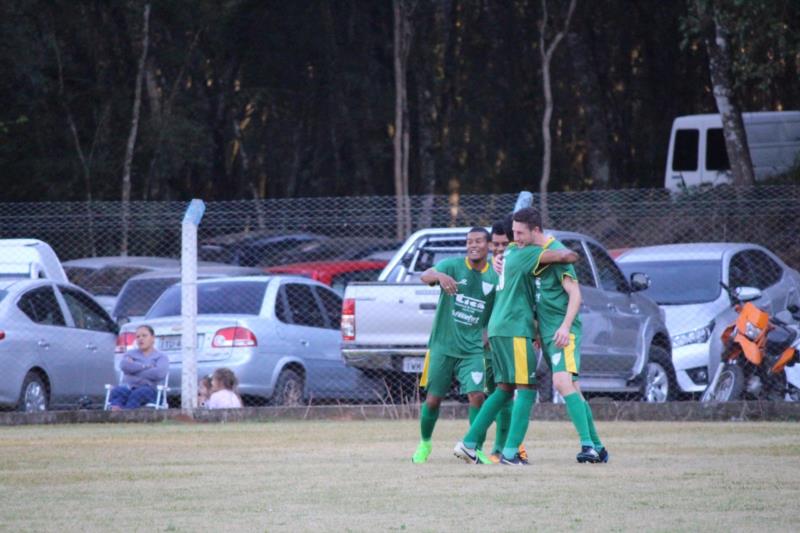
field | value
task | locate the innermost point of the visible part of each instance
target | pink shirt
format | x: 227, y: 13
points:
x: 224, y: 399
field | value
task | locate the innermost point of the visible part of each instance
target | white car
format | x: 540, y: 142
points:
x: 685, y: 282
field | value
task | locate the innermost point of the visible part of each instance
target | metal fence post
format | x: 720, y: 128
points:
x: 194, y: 213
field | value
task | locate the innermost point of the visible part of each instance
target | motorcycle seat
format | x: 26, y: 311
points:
x: 779, y: 338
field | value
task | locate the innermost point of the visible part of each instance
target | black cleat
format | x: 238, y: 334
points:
x: 603, y: 453
x: 516, y: 461
x: 588, y: 455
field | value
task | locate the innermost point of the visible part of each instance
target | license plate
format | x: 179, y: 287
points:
x: 169, y: 343
x: 413, y: 365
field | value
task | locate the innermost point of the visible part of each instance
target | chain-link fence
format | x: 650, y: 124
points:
x: 656, y: 320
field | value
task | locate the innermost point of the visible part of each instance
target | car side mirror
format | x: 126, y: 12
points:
x: 747, y: 294
x: 639, y: 281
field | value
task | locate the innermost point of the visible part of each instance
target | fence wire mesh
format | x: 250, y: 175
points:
x: 276, y: 275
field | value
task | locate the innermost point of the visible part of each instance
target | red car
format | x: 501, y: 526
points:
x: 336, y: 274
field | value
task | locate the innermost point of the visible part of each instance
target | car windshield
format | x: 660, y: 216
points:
x: 108, y: 281
x: 139, y: 294
x: 679, y: 282
x: 231, y: 298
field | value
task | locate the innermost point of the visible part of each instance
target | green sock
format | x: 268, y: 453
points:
x: 577, y: 412
x: 427, y: 420
x: 477, y: 430
x: 473, y: 412
x: 502, y: 423
x: 592, y: 431
x: 520, y: 418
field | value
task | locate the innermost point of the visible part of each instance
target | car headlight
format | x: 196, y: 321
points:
x: 751, y: 331
x: 696, y: 336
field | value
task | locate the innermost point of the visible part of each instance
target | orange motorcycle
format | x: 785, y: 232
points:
x: 756, y: 350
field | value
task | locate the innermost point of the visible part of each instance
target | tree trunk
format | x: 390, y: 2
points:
x: 547, y: 52
x: 401, y: 140
x: 716, y: 37
x: 137, y: 103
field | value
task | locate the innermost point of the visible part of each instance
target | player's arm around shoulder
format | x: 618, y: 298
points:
x: 558, y: 256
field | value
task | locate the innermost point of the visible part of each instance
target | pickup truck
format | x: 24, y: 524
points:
x: 625, y: 349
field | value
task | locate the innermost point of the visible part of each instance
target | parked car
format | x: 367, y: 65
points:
x: 340, y: 248
x: 258, y: 248
x: 335, y: 274
x: 56, y: 346
x: 685, y: 282
x: 279, y: 334
x: 625, y: 347
x: 29, y: 258
x: 142, y: 290
x: 105, y: 276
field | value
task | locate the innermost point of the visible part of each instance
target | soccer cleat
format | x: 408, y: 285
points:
x: 523, y: 454
x: 482, y: 458
x: 422, y: 453
x: 468, y: 455
x: 495, y: 457
x: 603, y: 454
x: 516, y: 461
x: 588, y: 455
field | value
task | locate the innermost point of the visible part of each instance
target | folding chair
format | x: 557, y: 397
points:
x: 161, y: 394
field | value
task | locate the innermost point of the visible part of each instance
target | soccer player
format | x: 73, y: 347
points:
x: 511, y: 334
x: 558, y: 299
x: 455, y: 346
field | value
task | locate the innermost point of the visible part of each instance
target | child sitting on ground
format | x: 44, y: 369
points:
x: 224, y: 394
x: 203, y: 391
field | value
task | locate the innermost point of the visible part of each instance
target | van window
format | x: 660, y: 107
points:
x: 684, y: 156
x: 716, y: 153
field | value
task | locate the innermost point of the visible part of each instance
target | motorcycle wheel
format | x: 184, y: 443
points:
x: 730, y: 384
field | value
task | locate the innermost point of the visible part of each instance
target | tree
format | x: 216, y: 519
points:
x: 403, y: 35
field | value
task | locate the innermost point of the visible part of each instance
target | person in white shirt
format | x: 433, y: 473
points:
x: 223, y: 390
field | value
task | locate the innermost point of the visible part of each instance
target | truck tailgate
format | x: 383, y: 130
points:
x: 393, y: 314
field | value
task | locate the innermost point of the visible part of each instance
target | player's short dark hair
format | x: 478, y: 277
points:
x: 480, y: 229
x: 499, y: 228
x: 507, y: 222
x: 529, y: 216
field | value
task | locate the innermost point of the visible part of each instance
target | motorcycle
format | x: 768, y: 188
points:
x: 757, y: 349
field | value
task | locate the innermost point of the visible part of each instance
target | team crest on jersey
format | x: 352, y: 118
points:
x: 477, y: 377
x: 556, y: 358
x: 487, y: 288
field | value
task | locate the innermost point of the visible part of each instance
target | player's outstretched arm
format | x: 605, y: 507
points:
x: 432, y: 277
x: 558, y: 256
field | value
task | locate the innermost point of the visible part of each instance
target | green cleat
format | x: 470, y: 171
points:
x: 422, y: 453
x: 482, y: 458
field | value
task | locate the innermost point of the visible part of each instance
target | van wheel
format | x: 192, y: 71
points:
x: 659, y: 383
x: 288, y: 389
x: 33, y: 395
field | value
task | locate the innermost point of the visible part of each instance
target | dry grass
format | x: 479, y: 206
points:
x: 345, y: 475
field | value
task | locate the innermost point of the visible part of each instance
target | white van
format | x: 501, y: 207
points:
x: 697, y: 154
x: 29, y: 258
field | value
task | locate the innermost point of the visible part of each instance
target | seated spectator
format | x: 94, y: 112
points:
x: 203, y: 391
x: 143, y: 369
x: 224, y: 394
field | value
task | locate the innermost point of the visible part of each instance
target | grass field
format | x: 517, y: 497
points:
x: 347, y: 475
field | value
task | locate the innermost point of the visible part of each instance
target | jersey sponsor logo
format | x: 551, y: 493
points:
x: 462, y: 282
x: 556, y: 358
x: 477, y: 377
x: 468, y: 310
x: 487, y: 288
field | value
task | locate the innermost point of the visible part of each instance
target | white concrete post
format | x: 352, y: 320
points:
x: 191, y: 219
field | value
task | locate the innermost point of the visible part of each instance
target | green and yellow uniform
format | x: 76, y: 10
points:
x: 551, y: 308
x: 456, y: 342
x: 511, y: 326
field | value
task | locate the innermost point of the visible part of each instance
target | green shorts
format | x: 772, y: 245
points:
x: 514, y: 360
x: 438, y: 372
x: 566, y: 359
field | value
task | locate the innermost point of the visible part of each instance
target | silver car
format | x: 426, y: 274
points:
x: 279, y: 334
x: 685, y: 282
x: 56, y: 346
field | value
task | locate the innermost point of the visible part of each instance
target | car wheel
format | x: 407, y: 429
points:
x: 33, y: 395
x: 288, y: 389
x: 659, y: 383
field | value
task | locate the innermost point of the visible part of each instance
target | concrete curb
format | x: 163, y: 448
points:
x: 745, y: 411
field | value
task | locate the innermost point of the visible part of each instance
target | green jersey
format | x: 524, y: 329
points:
x: 512, y: 315
x: 460, y: 318
x: 551, y: 298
